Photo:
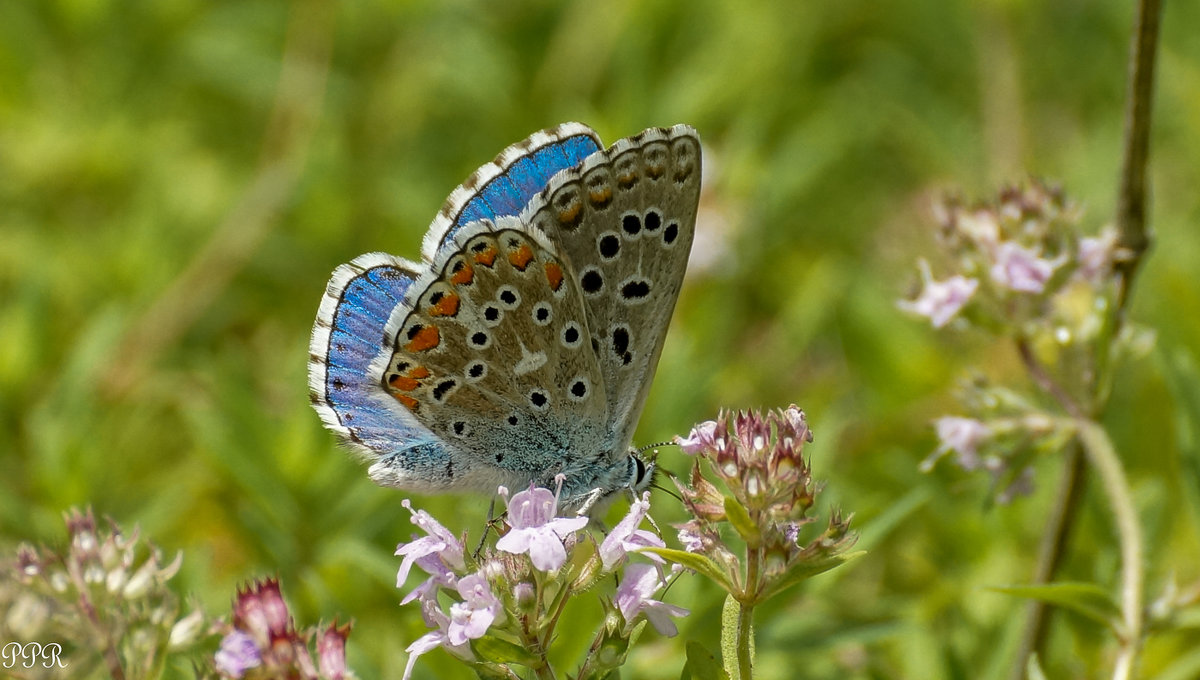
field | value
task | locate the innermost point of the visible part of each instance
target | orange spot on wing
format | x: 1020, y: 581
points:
x: 486, y: 257
x: 409, y: 403
x: 418, y: 372
x: 426, y: 338
x: 521, y: 256
x: 447, y: 306
x: 464, y: 275
x: 402, y: 383
x: 601, y: 197
x: 554, y: 275
x: 571, y: 214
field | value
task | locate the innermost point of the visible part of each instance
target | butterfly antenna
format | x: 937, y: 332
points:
x: 654, y: 446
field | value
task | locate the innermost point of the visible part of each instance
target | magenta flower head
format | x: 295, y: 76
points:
x: 536, y: 531
x: 750, y: 482
x: 263, y: 635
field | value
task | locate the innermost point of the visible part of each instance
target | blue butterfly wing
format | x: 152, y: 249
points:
x: 347, y: 353
x: 506, y: 185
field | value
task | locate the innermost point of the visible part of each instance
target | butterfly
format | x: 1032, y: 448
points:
x: 522, y: 346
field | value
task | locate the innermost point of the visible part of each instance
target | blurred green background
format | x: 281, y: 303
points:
x: 178, y: 179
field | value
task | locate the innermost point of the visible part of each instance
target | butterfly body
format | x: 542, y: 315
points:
x: 523, y: 345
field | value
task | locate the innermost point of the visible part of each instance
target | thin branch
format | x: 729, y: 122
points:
x: 1044, y: 381
x: 1104, y: 460
x: 1132, y: 234
x: 1055, y: 537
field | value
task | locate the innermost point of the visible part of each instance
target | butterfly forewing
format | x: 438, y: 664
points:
x: 626, y: 217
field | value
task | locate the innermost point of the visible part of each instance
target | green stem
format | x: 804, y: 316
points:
x: 1104, y: 459
x: 1131, y: 189
x: 745, y: 621
x: 1050, y: 552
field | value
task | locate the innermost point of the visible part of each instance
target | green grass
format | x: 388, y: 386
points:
x: 156, y: 296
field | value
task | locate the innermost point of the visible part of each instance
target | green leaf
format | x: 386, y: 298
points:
x: 729, y: 624
x: 502, y: 651
x: 702, y: 664
x: 742, y: 524
x: 1087, y: 599
x: 808, y: 569
x: 697, y: 563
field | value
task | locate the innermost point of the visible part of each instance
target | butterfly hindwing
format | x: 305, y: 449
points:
x: 344, y: 377
x: 626, y: 217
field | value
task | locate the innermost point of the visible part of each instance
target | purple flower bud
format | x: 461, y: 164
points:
x: 331, y: 651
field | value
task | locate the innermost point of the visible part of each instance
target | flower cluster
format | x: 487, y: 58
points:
x: 501, y: 608
x: 104, y: 596
x: 750, y: 479
x: 1014, y: 260
x: 262, y: 642
x: 1022, y: 269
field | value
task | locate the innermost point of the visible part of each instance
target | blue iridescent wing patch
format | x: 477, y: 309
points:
x: 507, y: 184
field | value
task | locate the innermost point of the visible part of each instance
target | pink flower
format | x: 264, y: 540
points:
x: 1021, y: 269
x: 535, y: 529
x: 238, y: 653
x: 471, y: 618
x: 940, y: 301
x: 634, y: 597
x: 701, y: 438
x: 438, y: 554
x: 961, y: 435
x: 626, y: 536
